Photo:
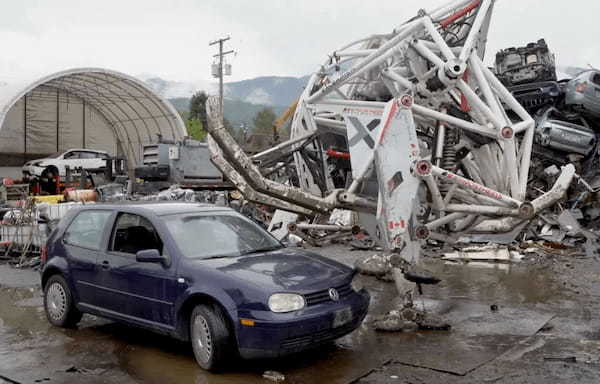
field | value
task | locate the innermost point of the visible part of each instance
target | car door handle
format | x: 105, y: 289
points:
x: 105, y: 264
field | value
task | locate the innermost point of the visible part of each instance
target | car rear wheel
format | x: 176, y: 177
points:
x: 58, y: 303
x: 210, y: 337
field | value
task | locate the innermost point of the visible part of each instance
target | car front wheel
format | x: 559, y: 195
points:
x: 210, y: 337
x: 58, y: 303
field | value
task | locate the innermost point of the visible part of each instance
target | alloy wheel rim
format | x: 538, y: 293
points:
x: 56, y: 301
x: 202, y: 338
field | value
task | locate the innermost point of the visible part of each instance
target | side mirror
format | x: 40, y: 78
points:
x: 150, y: 256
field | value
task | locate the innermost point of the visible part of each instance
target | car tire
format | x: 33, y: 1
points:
x: 51, y: 170
x: 210, y: 337
x: 58, y: 303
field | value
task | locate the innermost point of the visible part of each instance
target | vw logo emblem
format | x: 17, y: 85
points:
x: 333, y: 293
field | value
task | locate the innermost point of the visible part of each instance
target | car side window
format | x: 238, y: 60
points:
x: 71, y: 156
x: 88, y: 155
x: 596, y: 79
x: 86, y: 229
x: 134, y: 233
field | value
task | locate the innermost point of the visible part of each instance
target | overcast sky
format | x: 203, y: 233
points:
x: 170, y: 38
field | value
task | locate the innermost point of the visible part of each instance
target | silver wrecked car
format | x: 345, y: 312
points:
x: 583, y: 93
x: 554, y: 132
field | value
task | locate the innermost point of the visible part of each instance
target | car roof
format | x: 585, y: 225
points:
x: 160, y: 208
x: 85, y: 150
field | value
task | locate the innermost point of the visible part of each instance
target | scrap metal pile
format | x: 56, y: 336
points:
x: 415, y: 134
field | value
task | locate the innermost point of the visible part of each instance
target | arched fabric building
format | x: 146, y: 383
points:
x: 82, y: 108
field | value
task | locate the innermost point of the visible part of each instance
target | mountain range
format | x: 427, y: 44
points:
x: 266, y: 90
x: 243, y: 99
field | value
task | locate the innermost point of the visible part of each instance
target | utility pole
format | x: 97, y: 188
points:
x: 218, y: 71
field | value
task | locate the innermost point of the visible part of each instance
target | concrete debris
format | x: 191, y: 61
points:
x: 275, y: 376
x: 410, y: 320
x: 375, y: 265
x: 393, y: 322
x: 294, y: 241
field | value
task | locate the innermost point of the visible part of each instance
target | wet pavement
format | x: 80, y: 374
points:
x: 545, y: 329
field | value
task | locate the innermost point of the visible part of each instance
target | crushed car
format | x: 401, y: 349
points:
x: 524, y: 65
x: 583, y: 93
x: 553, y: 131
x: 529, y: 73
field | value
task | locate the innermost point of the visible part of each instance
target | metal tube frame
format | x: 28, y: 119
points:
x: 419, y: 53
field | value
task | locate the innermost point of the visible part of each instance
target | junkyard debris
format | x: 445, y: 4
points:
x: 410, y: 319
x: 274, y: 376
x: 487, y: 253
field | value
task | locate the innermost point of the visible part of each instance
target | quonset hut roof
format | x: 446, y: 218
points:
x: 134, y: 112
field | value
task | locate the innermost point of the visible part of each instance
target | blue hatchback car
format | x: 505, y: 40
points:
x: 200, y: 273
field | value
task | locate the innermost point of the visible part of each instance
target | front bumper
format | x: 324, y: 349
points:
x: 275, y: 335
x: 32, y: 171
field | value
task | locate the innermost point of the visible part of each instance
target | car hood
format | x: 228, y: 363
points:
x: 284, y: 270
x: 32, y: 162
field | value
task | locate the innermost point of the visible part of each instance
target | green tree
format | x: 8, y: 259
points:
x: 198, y: 107
x: 195, y: 130
x: 262, y: 136
x: 193, y: 127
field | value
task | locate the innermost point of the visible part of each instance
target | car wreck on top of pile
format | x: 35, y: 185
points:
x: 411, y: 131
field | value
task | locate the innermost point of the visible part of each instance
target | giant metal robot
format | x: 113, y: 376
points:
x: 409, y: 129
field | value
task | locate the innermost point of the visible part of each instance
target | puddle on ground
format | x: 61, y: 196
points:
x: 27, y: 339
x: 508, y: 284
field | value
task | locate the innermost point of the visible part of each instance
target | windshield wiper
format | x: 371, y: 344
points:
x: 243, y: 253
x: 216, y: 257
x: 258, y: 250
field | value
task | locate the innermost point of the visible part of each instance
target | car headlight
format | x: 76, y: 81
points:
x: 286, y: 302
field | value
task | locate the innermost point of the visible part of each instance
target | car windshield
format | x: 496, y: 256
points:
x: 217, y: 236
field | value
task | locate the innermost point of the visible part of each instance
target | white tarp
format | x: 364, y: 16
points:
x: 95, y: 108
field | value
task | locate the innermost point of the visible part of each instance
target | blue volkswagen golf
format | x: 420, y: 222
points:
x: 200, y: 273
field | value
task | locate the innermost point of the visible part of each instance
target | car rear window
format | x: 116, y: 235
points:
x: 87, y: 229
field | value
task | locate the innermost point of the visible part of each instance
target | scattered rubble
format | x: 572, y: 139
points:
x: 274, y: 376
x: 410, y: 320
x: 425, y: 144
x: 376, y: 265
x: 486, y: 253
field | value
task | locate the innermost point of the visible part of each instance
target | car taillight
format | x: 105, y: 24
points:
x: 44, y: 254
x: 581, y: 87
